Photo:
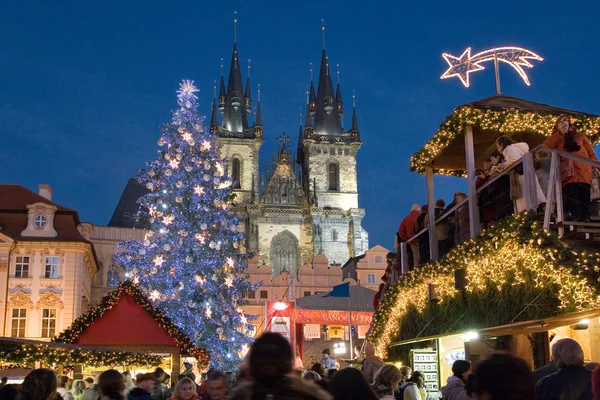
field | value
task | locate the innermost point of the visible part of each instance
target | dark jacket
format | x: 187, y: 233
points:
x: 544, y: 371
x: 138, y: 394
x: 287, y: 388
x: 572, y: 383
x: 91, y: 393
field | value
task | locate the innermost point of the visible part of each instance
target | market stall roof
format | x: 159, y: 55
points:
x: 125, y: 317
x: 361, y: 299
x: 490, y: 118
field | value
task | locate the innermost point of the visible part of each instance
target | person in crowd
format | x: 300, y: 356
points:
x: 311, y: 376
x: 572, y: 381
x: 318, y: 368
x: 216, y: 386
x: 575, y: 176
x: 271, y: 364
x: 78, y: 388
x: 414, y: 387
x: 455, y: 386
x: 91, y: 391
x: 390, y: 266
x: 39, y: 384
x: 9, y: 391
x: 350, y: 384
x: 596, y: 383
x: 386, y: 382
x: 128, y: 381
x: 545, y: 371
x: 502, y: 377
x: 485, y: 195
x: 170, y: 391
x: 377, y: 297
x: 111, y: 385
x: 512, y: 153
x: 443, y: 229
x: 422, y: 223
x: 3, y: 381
x: 63, y: 382
x: 463, y: 227
x: 160, y: 388
x: 405, y: 373
x: 331, y: 372
x: 144, y: 387
x: 500, y: 188
x: 406, y: 230
x: 327, y: 362
x: 542, y: 163
x: 185, y: 389
x: 371, y: 363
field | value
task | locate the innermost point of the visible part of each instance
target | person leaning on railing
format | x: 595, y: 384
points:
x: 575, y: 176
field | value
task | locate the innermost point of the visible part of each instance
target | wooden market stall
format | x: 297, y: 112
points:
x: 127, y: 321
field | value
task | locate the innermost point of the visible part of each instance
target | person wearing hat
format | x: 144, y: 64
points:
x: 327, y: 362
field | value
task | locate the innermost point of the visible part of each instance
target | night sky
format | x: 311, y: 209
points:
x: 85, y: 85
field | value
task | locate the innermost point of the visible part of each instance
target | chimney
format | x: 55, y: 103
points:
x: 45, y: 191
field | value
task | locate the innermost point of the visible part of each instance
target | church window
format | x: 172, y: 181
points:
x: 112, y: 277
x: 340, y: 152
x: 236, y: 169
x: 334, y: 235
x: 334, y: 176
x: 318, y: 151
x: 324, y: 151
x: 346, y: 152
x: 284, y: 253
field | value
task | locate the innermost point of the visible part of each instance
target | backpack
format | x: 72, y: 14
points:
x: 399, y: 394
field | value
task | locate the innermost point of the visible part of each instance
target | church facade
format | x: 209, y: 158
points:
x: 304, y: 203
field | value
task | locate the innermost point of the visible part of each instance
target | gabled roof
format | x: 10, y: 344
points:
x: 127, y: 288
x: 490, y: 118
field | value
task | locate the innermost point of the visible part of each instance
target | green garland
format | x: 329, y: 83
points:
x: 26, y: 355
x: 505, y: 121
x: 529, y: 263
x: 186, y: 345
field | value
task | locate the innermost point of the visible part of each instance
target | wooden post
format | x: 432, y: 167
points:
x: 529, y: 186
x: 472, y: 190
x: 404, y: 258
x: 433, y: 243
x: 560, y: 211
x: 551, y: 192
x: 176, y: 364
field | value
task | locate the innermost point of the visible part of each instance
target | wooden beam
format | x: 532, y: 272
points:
x: 471, y: 188
x: 529, y: 183
x: 551, y: 192
x: 433, y: 243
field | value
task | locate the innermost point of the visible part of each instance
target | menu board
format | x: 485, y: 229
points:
x: 426, y: 361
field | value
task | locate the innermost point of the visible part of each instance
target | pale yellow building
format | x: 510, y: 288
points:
x: 367, y: 268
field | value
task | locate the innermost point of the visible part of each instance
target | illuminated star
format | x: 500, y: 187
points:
x: 460, y: 66
x: 206, y: 145
x: 243, y: 319
x: 187, y: 88
x: 154, y: 295
x: 200, y: 279
x: 200, y: 238
x: 229, y: 281
x: 159, y: 261
x: 230, y: 262
x: 199, y: 190
x: 208, y: 312
x: 136, y: 280
x: 186, y: 136
x: 174, y: 163
x: 168, y: 220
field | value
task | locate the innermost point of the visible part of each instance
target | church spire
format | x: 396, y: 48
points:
x: 258, y: 129
x: 354, y: 131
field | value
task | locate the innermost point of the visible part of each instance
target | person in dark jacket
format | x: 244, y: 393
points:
x: 502, y: 377
x: 144, y: 386
x: 572, y: 381
x: 545, y: 371
x: 455, y: 387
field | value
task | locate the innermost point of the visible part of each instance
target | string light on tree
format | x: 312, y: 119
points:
x: 190, y: 207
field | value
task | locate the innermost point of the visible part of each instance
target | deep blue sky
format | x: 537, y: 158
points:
x: 84, y: 85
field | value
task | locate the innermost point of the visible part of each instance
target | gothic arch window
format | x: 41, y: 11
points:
x: 333, y: 175
x: 112, y: 277
x: 236, y: 172
x: 284, y: 253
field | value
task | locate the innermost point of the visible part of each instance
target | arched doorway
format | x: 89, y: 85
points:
x: 284, y: 253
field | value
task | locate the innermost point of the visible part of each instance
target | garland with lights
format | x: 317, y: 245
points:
x: 505, y: 121
x: 23, y: 355
x: 71, y: 334
x: 508, y: 266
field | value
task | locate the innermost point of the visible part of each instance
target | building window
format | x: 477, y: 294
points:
x: 40, y: 221
x: 48, y: 322
x: 370, y: 279
x: 284, y: 253
x: 334, y: 235
x: 263, y: 294
x: 306, y: 294
x: 112, y: 277
x: 22, y: 267
x: 334, y: 176
x: 378, y: 259
x: 19, y: 316
x: 236, y: 169
x: 51, y: 268
x: 251, y: 294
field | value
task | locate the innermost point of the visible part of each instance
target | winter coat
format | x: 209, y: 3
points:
x: 91, y: 393
x: 412, y: 391
x: 328, y: 362
x: 514, y: 152
x: 580, y: 173
x: 407, y: 227
x: 544, y: 371
x: 370, y: 367
x: 288, y: 388
x: 454, y: 389
x: 573, y: 383
x: 139, y: 394
x: 64, y: 393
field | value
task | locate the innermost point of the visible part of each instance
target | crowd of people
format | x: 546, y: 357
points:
x: 267, y: 373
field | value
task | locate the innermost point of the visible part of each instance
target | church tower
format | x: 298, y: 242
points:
x: 327, y: 156
x: 237, y: 141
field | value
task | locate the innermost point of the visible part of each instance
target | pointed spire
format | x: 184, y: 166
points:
x: 222, y: 92
x: 307, y: 119
x: 327, y: 118
x: 258, y: 129
x: 248, y: 97
x: 214, y: 118
x: 354, y: 129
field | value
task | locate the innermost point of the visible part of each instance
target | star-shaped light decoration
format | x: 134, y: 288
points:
x: 172, y: 271
x: 208, y: 312
x: 154, y: 295
x: 153, y: 212
x: 159, y: 261
x: 460, y: 66
x: 200, y: 279
x: 187, y: 88
x: 186, y: 136
x: 174, y: 163
x: 200, y: 238
x: 168, y: 220
x: 205, y: 145
x: 199, y: 190
x: 136, y: 280
x: 229, y: 281
x: 243, y: 319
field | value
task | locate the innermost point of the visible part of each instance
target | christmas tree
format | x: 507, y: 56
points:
x: 190, y: 264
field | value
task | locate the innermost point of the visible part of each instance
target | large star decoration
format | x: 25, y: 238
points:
x: 186, y: 136
x: 187, y: 88
x: 159, y: 261
x: 154, y: 295
x: 229, y: 281
x: 174, y: 163
x: 243, y: 319
x: 199, y: 190
x: 205, y: 145
x: 460, y: 66
x: 168, y: 220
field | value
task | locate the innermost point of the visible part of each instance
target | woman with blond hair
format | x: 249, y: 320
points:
x: 575, y: 176
x: 386, y: 382
x: 185, y: 389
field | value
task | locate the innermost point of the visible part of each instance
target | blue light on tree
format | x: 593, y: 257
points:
x: 190, y: 263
